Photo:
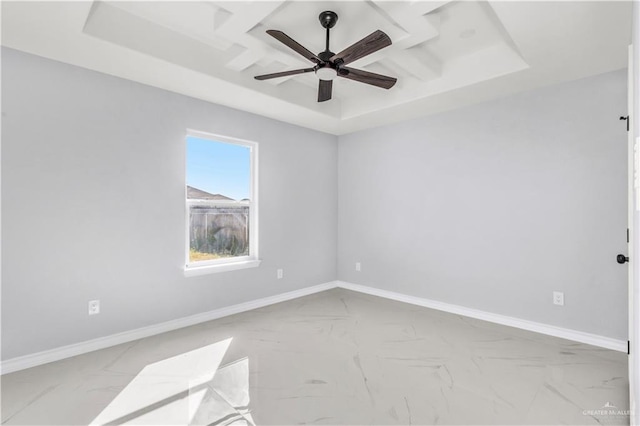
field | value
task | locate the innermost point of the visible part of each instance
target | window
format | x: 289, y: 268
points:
x: 221, y: 204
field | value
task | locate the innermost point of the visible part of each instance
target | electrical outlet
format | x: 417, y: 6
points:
x: 558, y: 298
x: 358, y: 267
x: 280, y: 273
x: 94, y: 307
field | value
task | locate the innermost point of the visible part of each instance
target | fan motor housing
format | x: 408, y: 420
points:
x: 325, y: 56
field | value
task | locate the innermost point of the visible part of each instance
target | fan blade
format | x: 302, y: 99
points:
x: 283, y: 74
x: 367, y: 77
x: 371, y: 43
x: 324, y: 90
x: 292, y: 44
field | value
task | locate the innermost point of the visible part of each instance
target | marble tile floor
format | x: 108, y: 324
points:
x: 336, y: 357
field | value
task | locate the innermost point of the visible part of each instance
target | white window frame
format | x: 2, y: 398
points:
x: 232, y: 263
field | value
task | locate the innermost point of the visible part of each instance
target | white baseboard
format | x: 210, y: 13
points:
x: 550, y: 330
x: 32, y: 360
x: 28, y: 361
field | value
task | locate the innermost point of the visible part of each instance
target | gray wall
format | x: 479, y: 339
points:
x: 497, y: 205
x: 492, y: 206
x: 93, y: 184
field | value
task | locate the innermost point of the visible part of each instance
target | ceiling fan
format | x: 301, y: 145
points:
x: 329, y: 65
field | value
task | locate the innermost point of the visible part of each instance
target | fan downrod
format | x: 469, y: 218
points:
x: 328, y: 19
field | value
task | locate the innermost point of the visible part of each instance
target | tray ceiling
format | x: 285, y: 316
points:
x: 445, y: 54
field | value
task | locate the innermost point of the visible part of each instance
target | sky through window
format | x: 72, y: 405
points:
x: 218, y: 167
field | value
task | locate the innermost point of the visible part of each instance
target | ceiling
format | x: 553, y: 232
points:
x: 445, y: 54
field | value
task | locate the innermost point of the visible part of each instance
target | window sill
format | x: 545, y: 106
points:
x: 213, y: 269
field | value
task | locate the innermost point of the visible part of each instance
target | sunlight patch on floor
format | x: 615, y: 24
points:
x: 186, y: 389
